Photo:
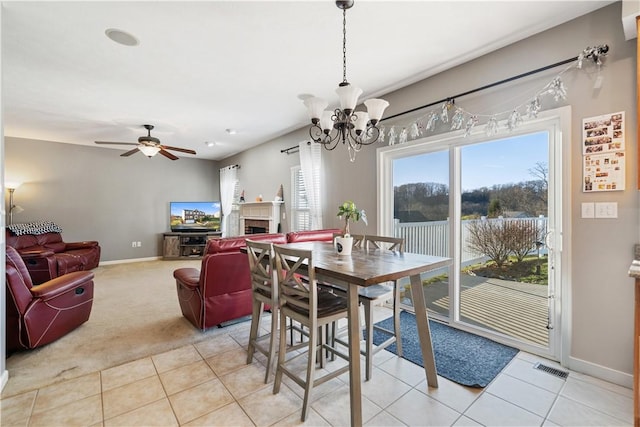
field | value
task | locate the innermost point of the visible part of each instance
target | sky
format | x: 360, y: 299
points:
x: 501, y: 161
x: 209, y: 208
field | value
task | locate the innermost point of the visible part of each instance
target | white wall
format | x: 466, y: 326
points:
x: 601, y: 295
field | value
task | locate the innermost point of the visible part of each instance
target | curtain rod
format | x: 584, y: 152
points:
x: 488, y: 86
x: 593, y: 54
x: 231, y: 167
x: 294, y: 149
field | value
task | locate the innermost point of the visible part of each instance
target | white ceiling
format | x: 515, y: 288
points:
x: 202, y: 67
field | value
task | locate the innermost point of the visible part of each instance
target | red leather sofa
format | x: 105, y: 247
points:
x: 221, y: 290
x: 46, y: 256
x: 38, y: 315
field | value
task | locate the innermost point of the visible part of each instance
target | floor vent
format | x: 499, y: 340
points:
x: 549, y: 370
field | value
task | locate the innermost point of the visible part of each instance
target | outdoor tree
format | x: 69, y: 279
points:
x: 495, y: 209
x: 523, y: 236
x: 490, y: 238
x: 500, y: 238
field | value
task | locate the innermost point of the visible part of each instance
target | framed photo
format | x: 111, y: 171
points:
x: 602, y: 134
x: 603, y: 156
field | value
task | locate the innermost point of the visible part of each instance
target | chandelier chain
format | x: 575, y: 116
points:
x: 344, y: 46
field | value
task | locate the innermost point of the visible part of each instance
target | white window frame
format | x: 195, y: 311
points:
x: 558, y: 123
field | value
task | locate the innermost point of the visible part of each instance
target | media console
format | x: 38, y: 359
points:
x: 187, y: 245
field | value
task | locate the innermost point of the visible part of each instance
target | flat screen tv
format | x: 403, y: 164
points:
x: 195, y: 216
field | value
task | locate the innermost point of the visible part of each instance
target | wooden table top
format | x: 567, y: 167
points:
x: 367, y: 267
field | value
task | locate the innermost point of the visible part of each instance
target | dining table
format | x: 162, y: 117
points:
x: 365, y: 267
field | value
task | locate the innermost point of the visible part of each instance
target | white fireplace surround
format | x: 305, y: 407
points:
x: 266, y: 212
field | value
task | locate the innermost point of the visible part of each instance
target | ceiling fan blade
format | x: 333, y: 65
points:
x: 130, y: 152
x: 117, y: 143
x: 183, y: 150
x: 168, y: 154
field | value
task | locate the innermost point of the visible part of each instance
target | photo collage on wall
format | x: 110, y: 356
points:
x: 603, y: 153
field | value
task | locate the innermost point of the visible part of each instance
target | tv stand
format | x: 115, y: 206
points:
x: 187, y: 245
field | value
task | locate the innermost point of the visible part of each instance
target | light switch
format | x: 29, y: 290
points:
x: 588, y: 210
x: 607, y: 210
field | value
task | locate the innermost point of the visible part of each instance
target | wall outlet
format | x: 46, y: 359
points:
x: 133, y: 244
x: 139, y: 244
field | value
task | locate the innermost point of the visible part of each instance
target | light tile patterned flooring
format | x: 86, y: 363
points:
x: 210, y: 384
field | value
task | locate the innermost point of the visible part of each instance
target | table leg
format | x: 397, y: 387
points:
x: 424, y: 332
x: 355, y: 390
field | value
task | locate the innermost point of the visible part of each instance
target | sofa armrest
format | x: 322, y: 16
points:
x: 189, y: 277
x: 62, y: 284
x: 81, y: 245
x: 35, y: 254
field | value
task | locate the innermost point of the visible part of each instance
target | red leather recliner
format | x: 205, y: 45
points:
x: 38, y: 315
x: 221, y: 290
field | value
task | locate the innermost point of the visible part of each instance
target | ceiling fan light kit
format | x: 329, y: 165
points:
x: 353, y: 128
x: 149, y: 146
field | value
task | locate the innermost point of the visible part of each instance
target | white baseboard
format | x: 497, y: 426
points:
x: 125, y: 261
x: 3, y: 379
x: 602, y: 372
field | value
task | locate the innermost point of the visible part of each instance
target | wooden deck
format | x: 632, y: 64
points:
x: 518, y: 310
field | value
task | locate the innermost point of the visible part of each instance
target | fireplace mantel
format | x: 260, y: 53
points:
x: 254, y: 213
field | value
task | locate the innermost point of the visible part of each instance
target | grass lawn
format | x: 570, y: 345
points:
x: 525, y: 271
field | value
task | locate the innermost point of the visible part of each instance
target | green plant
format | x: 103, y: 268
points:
x: 349, y: 212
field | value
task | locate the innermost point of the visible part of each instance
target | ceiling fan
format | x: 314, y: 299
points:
x: 150, y: 146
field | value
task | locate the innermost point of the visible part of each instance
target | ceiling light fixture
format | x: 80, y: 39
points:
x: 231, y: 131
x: 149, y: 150
x: 352, y: 128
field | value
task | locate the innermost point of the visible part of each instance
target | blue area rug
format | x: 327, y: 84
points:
x: 462, y: 357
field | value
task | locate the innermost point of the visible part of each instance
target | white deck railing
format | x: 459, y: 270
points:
x: 431, y: 238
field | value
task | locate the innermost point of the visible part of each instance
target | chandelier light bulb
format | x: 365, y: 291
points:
x: 375, y: 108
x: 326, y: 121
x: 315, y: 107
x: 348, y: 97
x: 360, y: 125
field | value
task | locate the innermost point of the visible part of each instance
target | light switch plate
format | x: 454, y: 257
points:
x: 588, y: 210
x: 607, y: 210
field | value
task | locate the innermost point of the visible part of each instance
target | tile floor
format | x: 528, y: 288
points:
x: 210, y: 384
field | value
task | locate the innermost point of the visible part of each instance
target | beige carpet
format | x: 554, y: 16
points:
x: 135, y: 314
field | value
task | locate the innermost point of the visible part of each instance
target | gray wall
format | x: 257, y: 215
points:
x: 94, y: 194
x: 601, y: 294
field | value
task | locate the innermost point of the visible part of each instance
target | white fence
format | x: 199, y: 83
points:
x: 432, y: 237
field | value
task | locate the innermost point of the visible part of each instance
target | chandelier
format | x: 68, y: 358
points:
x: 353, y: 128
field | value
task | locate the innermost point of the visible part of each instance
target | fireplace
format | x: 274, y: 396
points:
x: 260, y: 217
x: 256, y: 226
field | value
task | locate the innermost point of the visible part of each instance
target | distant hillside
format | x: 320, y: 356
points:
x: 429, y: 201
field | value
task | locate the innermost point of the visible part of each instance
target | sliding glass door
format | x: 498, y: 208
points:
x: 492, y: 205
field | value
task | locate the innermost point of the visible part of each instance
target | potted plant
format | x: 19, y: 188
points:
x: 349, y: 212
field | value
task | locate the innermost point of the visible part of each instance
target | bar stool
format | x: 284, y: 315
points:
x: 378, y: 294
x: 263, y: 292
x: 302, y: 301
